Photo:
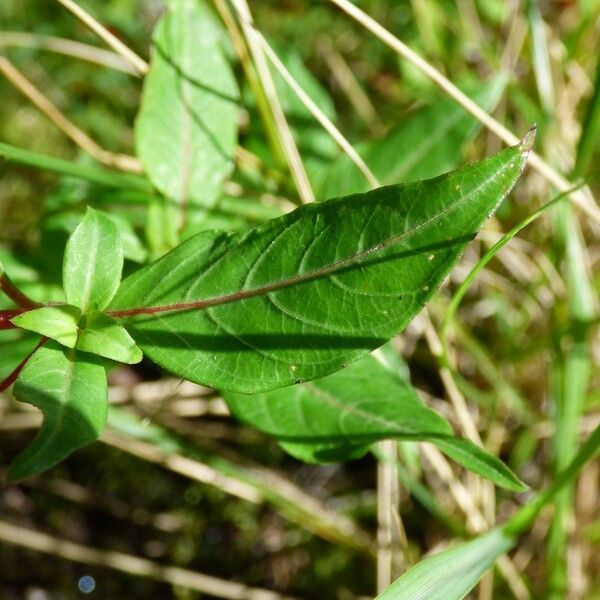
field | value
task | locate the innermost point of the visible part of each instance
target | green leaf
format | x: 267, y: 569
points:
x: 14, y: 345
x: 480, y: 461
x: 426, y: 143
x: 336, y: 418
x: 452, y: 573
x: 93, y: 262
x: 133, y: 249
x: 301, y: 296
x: 186, y: 129
x: 105, y: 337
x: 70, y: 388
x: 56, y: 322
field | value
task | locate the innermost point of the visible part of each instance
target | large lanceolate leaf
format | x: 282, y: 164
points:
x: 70, y: 388
x: 451, y: 574
x: 301, y: 296
x: 336, y: 418
x: 187, y: 125
x: 424, y: 144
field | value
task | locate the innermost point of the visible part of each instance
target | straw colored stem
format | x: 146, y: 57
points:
x: 133, y: 565
x: 48, y: 108
x: 139, y: 64
x: 291, y: 152
x: 98, y: 56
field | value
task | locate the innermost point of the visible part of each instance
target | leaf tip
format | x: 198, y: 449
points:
x: 18, y: 472
x: 517, y: 486
x: 527, y: 142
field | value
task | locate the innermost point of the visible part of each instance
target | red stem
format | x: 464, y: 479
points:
x: 241, y: 295
x: 7, y: 315
x: 13, y: 376
x: 15, y: 294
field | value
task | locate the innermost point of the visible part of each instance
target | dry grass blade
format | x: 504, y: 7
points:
x: 67, y: 47
x: 287, y: 139
x: 345, y: 78
x: 184, y: 466
x: 582, y: 198
x: 133, y: 565
x: 388, y: 516
x: 140, y: 65
x: 120, y: 161
x: 295, y: 504
x: 317, y: 113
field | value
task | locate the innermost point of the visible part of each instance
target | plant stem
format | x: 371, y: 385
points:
x: 6, y: 316
x: 13, y: 376
x: 15, y: 294
x: 485, y: 259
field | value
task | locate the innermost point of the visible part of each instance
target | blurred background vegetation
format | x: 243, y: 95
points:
x: 526, y: 339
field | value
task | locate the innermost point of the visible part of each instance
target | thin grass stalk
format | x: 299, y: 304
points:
x: 106, y: 36
x: 132, y: 565
x: 582, y: 198
x: 287, y: 139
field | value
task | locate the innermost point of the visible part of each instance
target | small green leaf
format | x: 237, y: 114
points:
x: 301, y: 296
x: 186, y: 129
x: 450, y: 574
x: 71, y: 390
x: 133, y: 249
x: 93, y: 262
x: 105, y: 337
x: 480, y: 461
x: 56, y: 322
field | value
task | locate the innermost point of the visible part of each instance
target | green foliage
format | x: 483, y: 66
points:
x: 104, y: 336
x: 186, y: 128
x: 451, y: 574
x: 339, y: 277
x: 301, y: 296
x: 56, y: 322
x: 337, y: 418
x: 279, y: 314
x: 93, y: 262
x: 70, y: 389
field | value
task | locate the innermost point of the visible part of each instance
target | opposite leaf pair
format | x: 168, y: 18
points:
x: 66, y: 377
x: 92, y: 268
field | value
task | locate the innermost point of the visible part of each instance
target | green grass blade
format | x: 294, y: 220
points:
x: 451, y: 574
x: 67, y: 167
x: 590, y: 131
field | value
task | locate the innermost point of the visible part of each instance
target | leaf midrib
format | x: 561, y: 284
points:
x: 311, y: 275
